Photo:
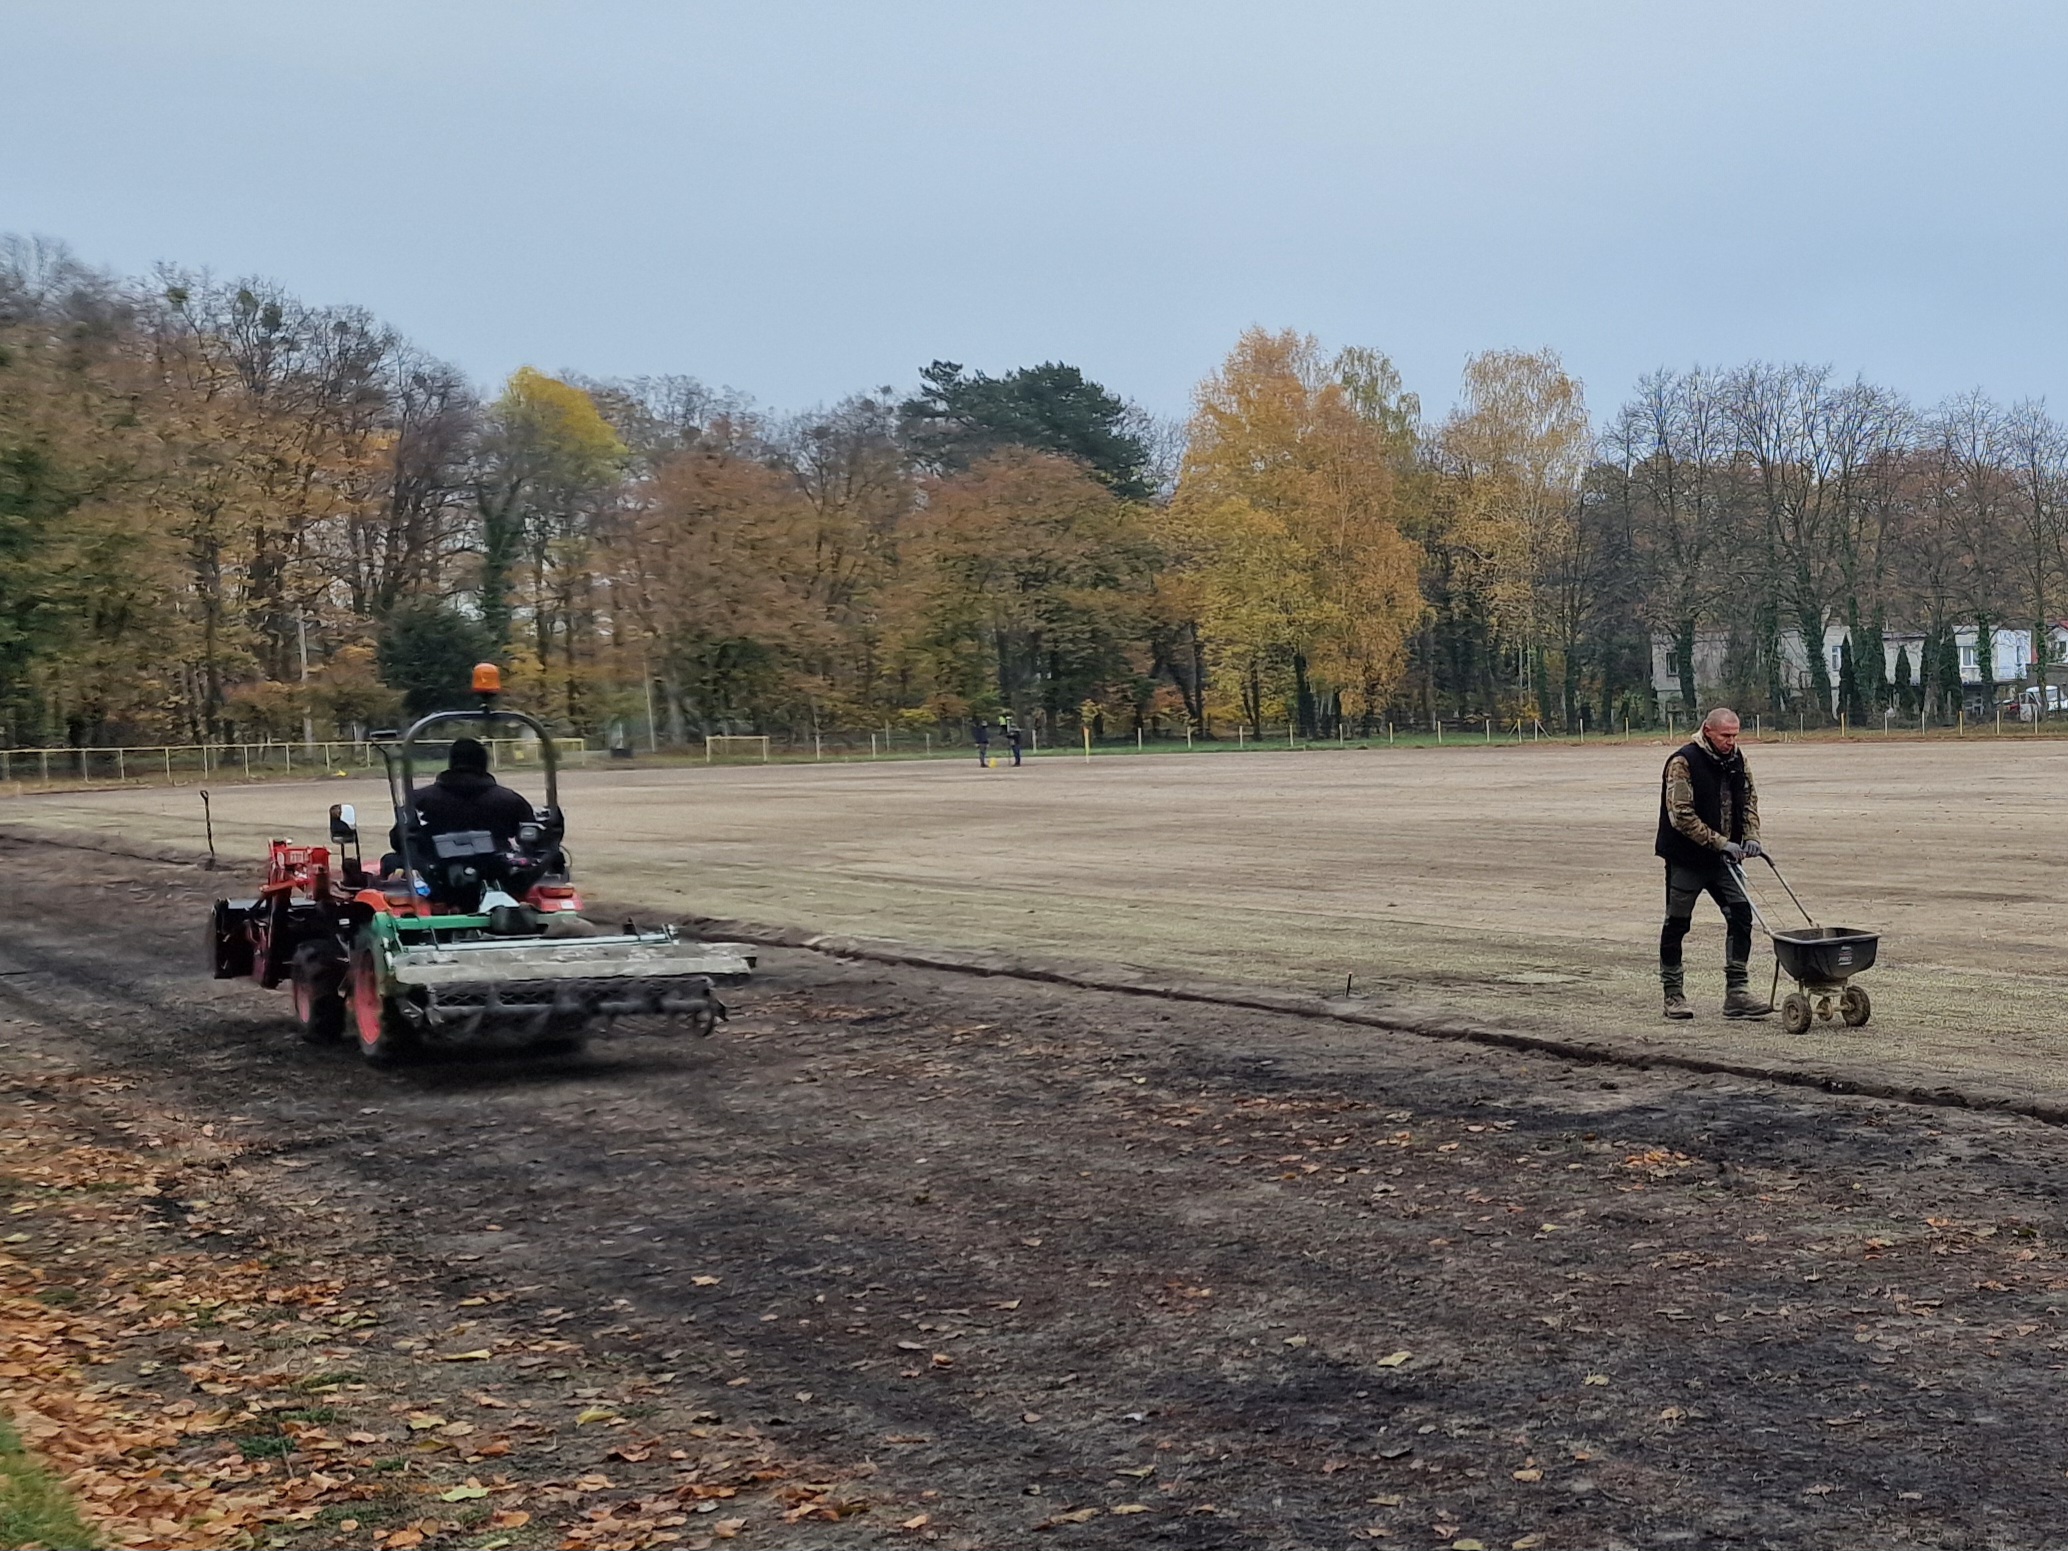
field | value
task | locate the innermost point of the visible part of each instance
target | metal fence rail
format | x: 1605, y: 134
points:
x: 51, y: 768
x: 24, y: 770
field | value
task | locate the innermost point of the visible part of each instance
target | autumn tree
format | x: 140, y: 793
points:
x: 2036, y: 450
x: 1519, y: 445
x: 88, y: 633
x: 1285, y: 510
x: 1029, y: 580
x: 713, y: 557
x: 1670, y: 448
x: 549, y: 463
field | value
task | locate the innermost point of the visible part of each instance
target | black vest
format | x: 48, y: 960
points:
x: 1708, y: 778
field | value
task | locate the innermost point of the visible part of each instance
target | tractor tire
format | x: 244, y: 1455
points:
x: 1855, y: 1006
x: 229, y: 943
x: 316, y: 980
x: 383, y: 1033
x: 1795, y: 1013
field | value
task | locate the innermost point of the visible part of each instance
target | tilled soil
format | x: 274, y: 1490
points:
x: 1019, y: 1264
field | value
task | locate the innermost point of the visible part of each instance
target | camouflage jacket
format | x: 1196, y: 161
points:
x: 1680, y: 806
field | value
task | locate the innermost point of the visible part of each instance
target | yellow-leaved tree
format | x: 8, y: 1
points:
x: 1284, y: 521
x: 549, y: 465
x: 1515, y: 452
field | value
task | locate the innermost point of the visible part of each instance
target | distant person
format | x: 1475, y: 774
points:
x: 1708, y: 818
x: 1013, y: 737
x: 983, y: 737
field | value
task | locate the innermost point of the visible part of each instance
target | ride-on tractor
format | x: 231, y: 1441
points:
x: 458, y: 940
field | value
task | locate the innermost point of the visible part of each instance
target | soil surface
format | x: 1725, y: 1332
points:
x: 904, y: 1256
x: 1508, y: 883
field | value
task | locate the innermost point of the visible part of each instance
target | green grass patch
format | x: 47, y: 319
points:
x: 34, y: 1510
x: 58, y: 1297
x: 265, y: 1445
x: 318, y: 1414
x: 326, y: 1380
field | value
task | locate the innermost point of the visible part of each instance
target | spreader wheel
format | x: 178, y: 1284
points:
x: 316, y: 979
x: 1795, y: 1013
x: 383, y: 1033
x: 1855, y: 1006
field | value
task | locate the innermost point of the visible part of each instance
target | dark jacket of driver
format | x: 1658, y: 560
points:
x: 461, y: 800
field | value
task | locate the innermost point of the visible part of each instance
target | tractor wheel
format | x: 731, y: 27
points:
x: 229, y: 944
x: 316, y: 980
x: 383, y: 1033
x: 1795, y: 1013
x: 1855, y: 1006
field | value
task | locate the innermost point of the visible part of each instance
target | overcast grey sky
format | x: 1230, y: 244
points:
x: 802, y: 200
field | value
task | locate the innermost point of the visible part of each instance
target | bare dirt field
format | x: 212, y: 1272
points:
x: 1512, y: 885
x: 902, y: 1257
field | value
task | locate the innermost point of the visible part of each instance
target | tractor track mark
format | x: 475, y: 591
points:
x: 1434, y: 1027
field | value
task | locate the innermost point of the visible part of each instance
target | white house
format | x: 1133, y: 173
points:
x: 2010, y: 658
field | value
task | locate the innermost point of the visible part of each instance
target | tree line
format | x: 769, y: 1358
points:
x: 226, y: 513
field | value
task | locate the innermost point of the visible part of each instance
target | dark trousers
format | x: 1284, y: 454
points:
x: 1685, y: 885
x: 1016, y: 751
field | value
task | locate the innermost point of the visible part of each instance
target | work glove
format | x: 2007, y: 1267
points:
x: 1734, y: 851
x: 1754, y: 849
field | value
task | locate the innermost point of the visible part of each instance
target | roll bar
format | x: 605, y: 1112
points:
x: 395, y: 754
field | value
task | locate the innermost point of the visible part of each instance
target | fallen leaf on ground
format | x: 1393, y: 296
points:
x: 1596, y: 1378
x: 1074, y: 1516
x: 1394, y: 1359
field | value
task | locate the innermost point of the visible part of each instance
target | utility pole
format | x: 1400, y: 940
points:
x: 301, y: 631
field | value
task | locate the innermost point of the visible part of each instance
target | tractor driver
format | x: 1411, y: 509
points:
x: 465, y: 797
x: 1708, y: 820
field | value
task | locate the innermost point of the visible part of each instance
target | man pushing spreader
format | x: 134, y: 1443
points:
x: 1708, y: 820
